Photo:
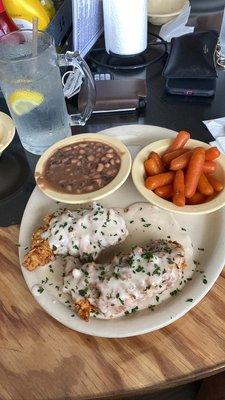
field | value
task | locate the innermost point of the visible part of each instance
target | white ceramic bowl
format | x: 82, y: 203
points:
x: 7, y: 131
x: 138, y: 174
x: 162, y: 11
x: 119, y: 179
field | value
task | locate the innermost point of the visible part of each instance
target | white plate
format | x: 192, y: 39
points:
x: 206, y: 231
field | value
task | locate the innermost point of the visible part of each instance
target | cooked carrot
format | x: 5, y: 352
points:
x: 178, y: 189
x: 212, y: 153
x: 168, y: 157
x: 197, y: 198
x: 151, y: 167
x: 204, y: 186
x: 179, y: 141
x: 158, y: 160
x: 194, y: 171
x: 153, y: 182
x: 164, y: 191
x: 216, y: 184
x: 181, y: 161
x: 209, y: 167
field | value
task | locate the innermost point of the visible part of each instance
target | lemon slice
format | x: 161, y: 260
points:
x: 24, y: 101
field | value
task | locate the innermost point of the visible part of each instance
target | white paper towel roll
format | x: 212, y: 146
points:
x: 125, y: 24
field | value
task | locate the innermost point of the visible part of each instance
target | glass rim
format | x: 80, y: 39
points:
x: 51, y: 43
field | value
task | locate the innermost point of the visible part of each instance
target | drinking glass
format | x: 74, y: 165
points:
x: 33, y: 90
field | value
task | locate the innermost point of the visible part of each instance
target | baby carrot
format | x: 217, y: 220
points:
x: 181, y: 161
x: 216, y: 184
x: 153, y: 182
x: 164, y: 191
x: 178, y: 189
x: 204, y: 186
x: 151, y: 167
x: 212, y: 153
x: 158, y: 160
x: 173, y: 154
x: 209, y: 167
x: 197, y: 198
x: 194, y: 171
x: 179, y: 141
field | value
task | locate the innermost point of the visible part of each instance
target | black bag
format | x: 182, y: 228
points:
x: 190, y: 68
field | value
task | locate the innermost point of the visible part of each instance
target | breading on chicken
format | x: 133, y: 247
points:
x: 83, y: 308
x: 40, y: 253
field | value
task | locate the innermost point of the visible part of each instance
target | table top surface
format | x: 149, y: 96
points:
x: 42, y: 359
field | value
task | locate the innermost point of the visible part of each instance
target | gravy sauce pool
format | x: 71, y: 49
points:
x: 144, y: 223
x: 82, y: 167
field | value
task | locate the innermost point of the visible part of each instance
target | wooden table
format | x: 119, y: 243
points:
x: 41, y: 359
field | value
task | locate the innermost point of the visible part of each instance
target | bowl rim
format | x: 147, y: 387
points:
x: 165, y: 204
x: 168, y: 14
x: 10, y: 130
x: 112, y: 186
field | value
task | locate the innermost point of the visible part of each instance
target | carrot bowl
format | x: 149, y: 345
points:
x: 213, y: 203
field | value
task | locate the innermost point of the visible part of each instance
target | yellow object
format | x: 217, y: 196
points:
x: 23, y: 11
x: 24, y: 101
x: 49, y: 7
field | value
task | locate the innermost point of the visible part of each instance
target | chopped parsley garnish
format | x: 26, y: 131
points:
x: 168, y: 237
x: 83, y: 226
x: 40, y: 289
x: 57, y: 287
x: 143, y: 220
x: 72, y: 315
x: 139, y: 269
x: 174, y: 292
x: 82, y: 292
x: 205, y: 281
x: 50, y: 268
x: 65, y: 224
x: 147, y: 287
x: 157, y: 298
x: 189, y: 300
x: 60, y: 237
x: 183, y: 229
x: 102, y: 233
x: 201, y: 248
x: 75, y: 247
x: 131, y: 222
x: 147, y: 256
x: 56, y: 232
x: 159, y: 228
x: 134, y: 309
x: 146, y: 225
x: 170, y: 261
x: 156, y: 271
x: 126, y: 313
x: 54, y: 248
x: 152, y: 308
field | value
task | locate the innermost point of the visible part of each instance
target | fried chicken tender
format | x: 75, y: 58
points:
x: 40, y: 253
x: 83, y: 308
